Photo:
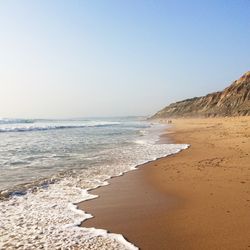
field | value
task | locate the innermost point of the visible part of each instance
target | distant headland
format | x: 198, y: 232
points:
x: 232, y: 101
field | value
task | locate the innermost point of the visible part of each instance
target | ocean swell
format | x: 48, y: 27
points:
x: 42, y: 214
x: 26, y: 127
x: 14, y: 121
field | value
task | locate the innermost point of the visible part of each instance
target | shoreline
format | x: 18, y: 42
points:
x: 61, y: 225
x: 190, y: 200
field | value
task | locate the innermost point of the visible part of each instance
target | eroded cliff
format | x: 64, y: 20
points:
x: 232, y: 101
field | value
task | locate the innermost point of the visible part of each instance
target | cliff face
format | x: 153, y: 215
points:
x: 232, y: 101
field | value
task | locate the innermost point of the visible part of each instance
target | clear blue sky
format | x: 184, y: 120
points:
x: 108, y: 58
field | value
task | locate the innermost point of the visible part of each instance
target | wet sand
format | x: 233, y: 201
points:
x: 196, y: 199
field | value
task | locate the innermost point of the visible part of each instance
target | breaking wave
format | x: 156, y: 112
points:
x: 31, y: 126
x: 14, y: 121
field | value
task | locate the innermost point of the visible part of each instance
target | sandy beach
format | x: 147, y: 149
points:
x: 196, y: 199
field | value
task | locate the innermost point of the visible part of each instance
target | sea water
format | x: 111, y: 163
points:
x: 48, y: 166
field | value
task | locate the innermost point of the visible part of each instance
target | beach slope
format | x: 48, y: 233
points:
x: 196, y: 199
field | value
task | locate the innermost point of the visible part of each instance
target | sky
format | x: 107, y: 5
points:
x: 65, y: 59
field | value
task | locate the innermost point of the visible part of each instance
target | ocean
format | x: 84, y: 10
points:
x: 48, y: 166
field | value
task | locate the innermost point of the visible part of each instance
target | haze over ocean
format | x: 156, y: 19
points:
x: 108, y: 58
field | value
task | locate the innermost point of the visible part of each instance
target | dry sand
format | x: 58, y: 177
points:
x: 197, y: 199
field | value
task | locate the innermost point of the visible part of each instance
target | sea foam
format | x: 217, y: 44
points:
x: 47, y: 217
